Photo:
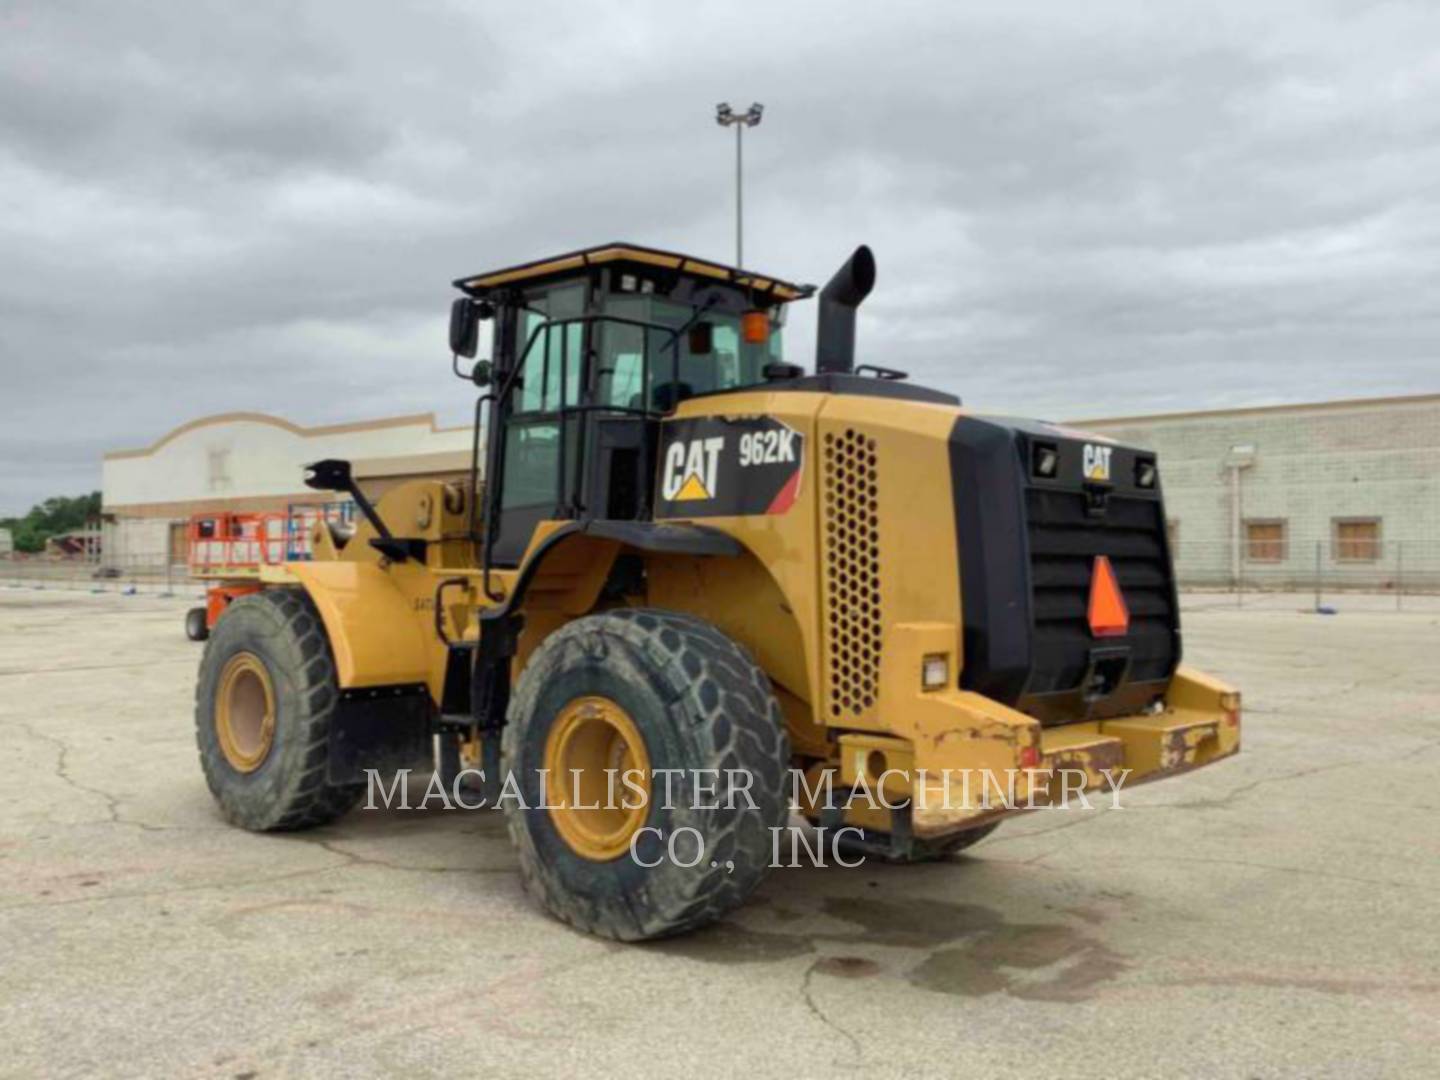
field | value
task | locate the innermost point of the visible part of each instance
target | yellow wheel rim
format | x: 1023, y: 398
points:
x: 245, y: 712
x: 597, y: 778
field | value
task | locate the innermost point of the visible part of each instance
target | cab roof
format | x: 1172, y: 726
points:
x: 562, y: 266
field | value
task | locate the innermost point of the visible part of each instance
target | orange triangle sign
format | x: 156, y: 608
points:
x: 1109, y: 617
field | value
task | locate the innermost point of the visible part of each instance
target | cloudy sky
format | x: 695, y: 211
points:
x: 1078, y: 209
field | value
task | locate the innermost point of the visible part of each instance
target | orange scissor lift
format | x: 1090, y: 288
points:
x: 229, y: 550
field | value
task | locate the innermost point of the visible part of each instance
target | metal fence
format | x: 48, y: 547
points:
x: 116, y: 574
x: 1314, y: 574
x: 171, y: 551
x: 1317, y: 572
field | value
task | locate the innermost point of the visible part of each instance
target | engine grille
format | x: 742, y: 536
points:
x: 852, y: 572
x: 1064, y: 541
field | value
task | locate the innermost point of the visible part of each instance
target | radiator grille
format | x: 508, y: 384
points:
x: 852, y: 572
x: 1064, y: 541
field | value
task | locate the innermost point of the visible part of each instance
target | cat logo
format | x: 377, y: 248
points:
x: 1097, y: 462
x: 691, y: 469
x: 727, y: 466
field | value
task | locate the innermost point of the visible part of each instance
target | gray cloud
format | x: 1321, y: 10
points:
x: 1083, y: 210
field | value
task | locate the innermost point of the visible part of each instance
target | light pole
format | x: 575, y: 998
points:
x: 728, y: 117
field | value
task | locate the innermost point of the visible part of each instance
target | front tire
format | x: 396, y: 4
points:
x: 195, y: 624
x: 263, y: 703
x: 642, y: 691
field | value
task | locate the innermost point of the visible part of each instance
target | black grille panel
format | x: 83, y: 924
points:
x: 1064, y: 541
x: 1027, y: 546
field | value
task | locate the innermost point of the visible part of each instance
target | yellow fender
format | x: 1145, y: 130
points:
x: 370, y: 622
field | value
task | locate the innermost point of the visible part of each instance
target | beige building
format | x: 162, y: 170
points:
x: 249, y: 462
x: 1345, y: 490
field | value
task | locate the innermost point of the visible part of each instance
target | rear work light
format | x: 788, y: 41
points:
x: 1045, y: 460
x: 1145, y: 472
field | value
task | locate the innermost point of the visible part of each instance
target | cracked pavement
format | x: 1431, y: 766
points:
x: 1271, y: 916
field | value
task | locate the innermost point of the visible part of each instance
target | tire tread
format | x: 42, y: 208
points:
x: 690, y: 654
x: 289, y: 618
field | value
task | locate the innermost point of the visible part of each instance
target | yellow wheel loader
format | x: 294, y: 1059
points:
x: 699, y: 588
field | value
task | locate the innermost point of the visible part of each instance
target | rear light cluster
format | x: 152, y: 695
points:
x: 935, y: 671
x: 1230, y: 702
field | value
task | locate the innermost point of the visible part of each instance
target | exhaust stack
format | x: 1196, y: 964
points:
x: 843, y: 293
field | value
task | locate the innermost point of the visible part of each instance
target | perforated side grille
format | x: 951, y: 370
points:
x: 852, y: 572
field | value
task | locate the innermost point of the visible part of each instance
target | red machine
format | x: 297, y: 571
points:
x: 228, y: 550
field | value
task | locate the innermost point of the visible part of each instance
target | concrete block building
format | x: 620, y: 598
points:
x: 1274, y: 496
x: 251, y: 462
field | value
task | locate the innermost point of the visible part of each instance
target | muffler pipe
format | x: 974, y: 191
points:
x: 835, y: 328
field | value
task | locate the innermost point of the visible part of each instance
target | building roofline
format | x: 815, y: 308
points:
x: 180, y: 509
x: 1252, y: 410
x: 433, y: 461
x: 382, y: 423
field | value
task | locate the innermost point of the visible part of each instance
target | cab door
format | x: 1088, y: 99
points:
x: 540, y: 446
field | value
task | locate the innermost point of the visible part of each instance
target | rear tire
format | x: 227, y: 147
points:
x: 263, y: 702
x: 195, y: 624
x: 696, y: 701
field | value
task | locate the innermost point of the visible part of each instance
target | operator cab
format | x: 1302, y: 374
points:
x: 589, y: 351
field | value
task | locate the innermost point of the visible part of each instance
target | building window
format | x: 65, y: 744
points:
x: 219, y: 470
x: 1264, y: 541
x: 1356, y: 539
x: 1172, y: 536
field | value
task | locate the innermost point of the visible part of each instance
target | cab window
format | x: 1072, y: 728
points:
x: 675, y: 373
x: 551, y: 377
x: 553, y: 366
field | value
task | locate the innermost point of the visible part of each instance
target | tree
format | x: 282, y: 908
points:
x: 57, y: 514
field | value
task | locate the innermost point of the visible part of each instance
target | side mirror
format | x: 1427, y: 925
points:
x: 701, y: 339
x: 464, y: 327
x: 483, y: 373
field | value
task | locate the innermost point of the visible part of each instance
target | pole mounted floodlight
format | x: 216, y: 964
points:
x: 725, y: 116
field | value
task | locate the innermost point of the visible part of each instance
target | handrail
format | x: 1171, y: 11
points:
x: 461, y: 582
